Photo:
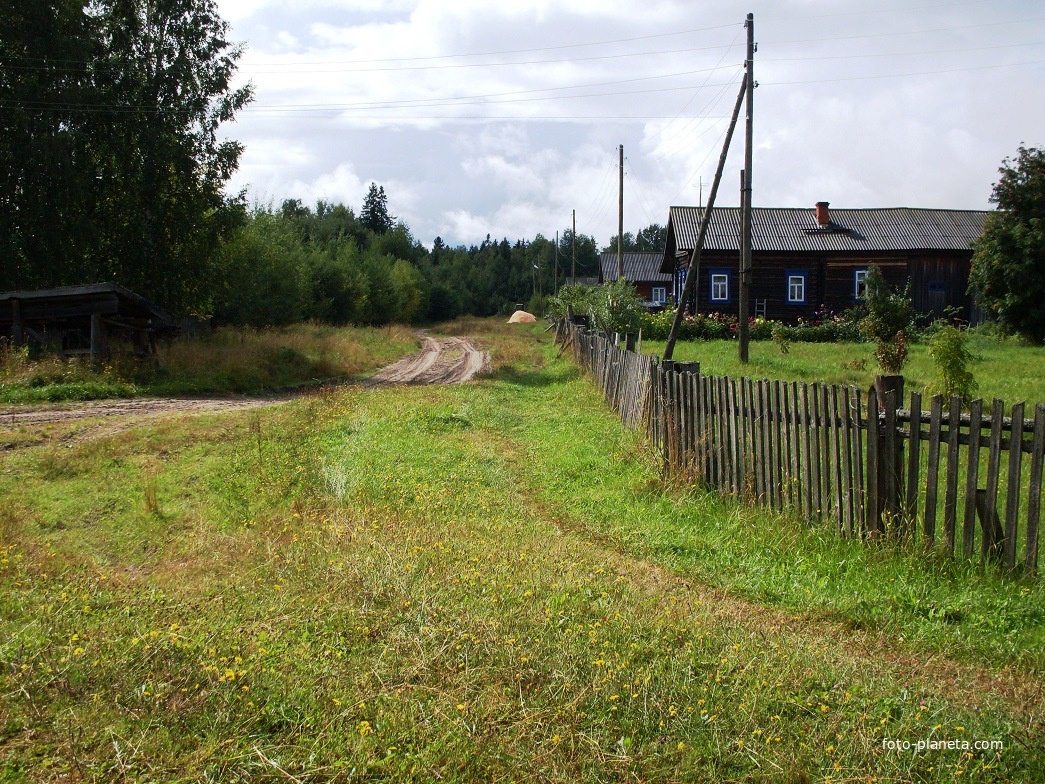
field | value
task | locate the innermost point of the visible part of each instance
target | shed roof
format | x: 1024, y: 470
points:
x: 793, y: 229
x: 643, y: 267
x: 77, y: 300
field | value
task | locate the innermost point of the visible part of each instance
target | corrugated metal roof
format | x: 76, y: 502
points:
x: 795, y: 229
x: 637, y: 267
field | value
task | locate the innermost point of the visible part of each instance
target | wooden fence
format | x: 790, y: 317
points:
x: 836, y: 454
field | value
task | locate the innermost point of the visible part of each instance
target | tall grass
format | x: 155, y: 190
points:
x: 240, y: 360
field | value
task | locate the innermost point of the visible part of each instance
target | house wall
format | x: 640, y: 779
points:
x: 938, y: 280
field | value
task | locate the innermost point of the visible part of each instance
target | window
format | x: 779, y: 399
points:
x: 680, y: 282
x: 860, y: 284
x: 660, y: 295
x: 796, y: 287
x: 719, y: 286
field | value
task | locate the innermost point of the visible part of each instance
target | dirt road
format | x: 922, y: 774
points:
x: 440, y: 361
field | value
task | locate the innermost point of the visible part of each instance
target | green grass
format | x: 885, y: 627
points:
x: 242, y: 361
x: 486, y: 582
x: 1004, y: 368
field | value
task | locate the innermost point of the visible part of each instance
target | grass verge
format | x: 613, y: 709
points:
x: 1003, y: 368
x: 471, y: 583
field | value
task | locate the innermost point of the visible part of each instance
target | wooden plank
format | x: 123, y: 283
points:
x: 808, y: 500
x: 1012, y: 500
x: 756, y: 442
x: 847, y: 517
x: 1034, y: 492
x: 836, y: 459
x: 972, y: 471
x: 859, y: 487
x: 776, y: 432
x: 914, y: 455
x: 932, y: 473
x: 873, y: 520
x: 888, y: 462
x: 990, y: 497
x: 788, y: 463
x: 736, y: 437
x: 950, y: 504
x: 725, y: 432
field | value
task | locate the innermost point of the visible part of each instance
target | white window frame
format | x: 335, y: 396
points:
x: 860, y: 284
x: 720, y: 279
x: 659, y: 295
x: 796, y: 289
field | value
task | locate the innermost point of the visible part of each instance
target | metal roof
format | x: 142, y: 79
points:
x: 644, y: 267
x: 796, y: 229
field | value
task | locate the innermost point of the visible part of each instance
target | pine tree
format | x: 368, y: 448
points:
x: 374, y: 214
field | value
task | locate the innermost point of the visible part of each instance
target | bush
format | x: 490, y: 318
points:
x: 950, y: 353
x: 888, y: 322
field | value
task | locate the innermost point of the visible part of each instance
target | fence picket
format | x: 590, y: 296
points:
x: 972, y: 472
x: 1012, y: 500
x: 932, y: 476
x: 1034, y: 491
x: 950, y: 505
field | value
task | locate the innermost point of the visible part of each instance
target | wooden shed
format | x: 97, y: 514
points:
x: 95, y: 319
x: 643, y: 271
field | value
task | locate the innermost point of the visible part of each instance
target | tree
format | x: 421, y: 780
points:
x: 374, y: 214
x: 116, y: 112
x: 1009, y: 256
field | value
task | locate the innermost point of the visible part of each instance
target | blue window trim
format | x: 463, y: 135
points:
x: 712, y: 272
x: 796, y: 273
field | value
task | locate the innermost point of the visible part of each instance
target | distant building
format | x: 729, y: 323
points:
x: 643, y: 271
x: 803, y: 259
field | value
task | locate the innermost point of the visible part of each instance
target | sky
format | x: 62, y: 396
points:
x: 505, y: 117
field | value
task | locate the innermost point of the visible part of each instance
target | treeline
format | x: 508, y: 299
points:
x: 296, y: 262
x: 112, y: 169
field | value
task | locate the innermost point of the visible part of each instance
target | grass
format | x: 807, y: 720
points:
x: 1004, y: 368
x: 486, y: 582
x: 243, y: 361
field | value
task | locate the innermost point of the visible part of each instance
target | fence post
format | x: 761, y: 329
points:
x: 885, y: 460
x: 629, y: 341
x: 991, y: 546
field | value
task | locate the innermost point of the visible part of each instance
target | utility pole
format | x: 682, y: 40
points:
x: 745, y: 199
x: 573, y: 250
x: 620, y: 220
x: 694, y: 259
x: 555, y: 287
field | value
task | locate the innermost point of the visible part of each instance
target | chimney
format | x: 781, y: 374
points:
x: 823, y: 216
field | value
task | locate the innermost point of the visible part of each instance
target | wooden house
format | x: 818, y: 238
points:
x: 643, y: 271
x: 806, y: 259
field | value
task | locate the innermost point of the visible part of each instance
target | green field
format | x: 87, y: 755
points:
x: 484, y: 582
x: 1003, y: 368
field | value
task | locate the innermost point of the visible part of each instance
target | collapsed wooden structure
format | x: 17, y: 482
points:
x: 97, y: 320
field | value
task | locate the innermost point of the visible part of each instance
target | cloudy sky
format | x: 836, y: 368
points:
x: 501, y: 117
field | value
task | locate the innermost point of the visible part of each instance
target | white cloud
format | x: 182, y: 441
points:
x: 371, y: 90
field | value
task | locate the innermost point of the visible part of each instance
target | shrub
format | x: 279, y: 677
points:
x: 950, y: 353
x: 888, y: 321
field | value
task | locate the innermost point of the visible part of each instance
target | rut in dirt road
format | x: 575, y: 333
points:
x: 440, y: 361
